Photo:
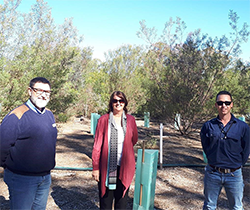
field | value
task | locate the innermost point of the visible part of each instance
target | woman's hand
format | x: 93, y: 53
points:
x: 95, y: 175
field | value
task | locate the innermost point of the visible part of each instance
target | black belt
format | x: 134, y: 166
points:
x: 225, y: 170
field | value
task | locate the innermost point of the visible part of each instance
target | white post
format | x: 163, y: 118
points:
x: 161, y: 147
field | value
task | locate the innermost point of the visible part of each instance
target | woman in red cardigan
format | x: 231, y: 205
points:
x: 113, y: 156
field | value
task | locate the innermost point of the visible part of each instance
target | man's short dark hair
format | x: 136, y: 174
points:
x: 224, y: 92
x: 40, y: 80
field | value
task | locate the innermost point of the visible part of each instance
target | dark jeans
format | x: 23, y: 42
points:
x: 106, y: 201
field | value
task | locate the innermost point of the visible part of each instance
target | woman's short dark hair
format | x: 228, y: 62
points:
x: 224, y: 92
x: 39, y: 80
x: 120, y: 95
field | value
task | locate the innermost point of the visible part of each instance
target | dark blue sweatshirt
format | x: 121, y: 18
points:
x: 28, y: 141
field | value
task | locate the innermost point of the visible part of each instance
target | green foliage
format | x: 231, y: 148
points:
x: 123, y: 67
x: 184, y: 75
x: 41, y: 49
x: 177, y: 73
x: 62, y: 117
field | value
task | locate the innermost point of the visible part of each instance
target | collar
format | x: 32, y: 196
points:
x: 232, y: 120
x: 32, y: 106
x: 111, y: 118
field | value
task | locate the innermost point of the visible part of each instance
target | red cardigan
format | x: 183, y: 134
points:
x: 100, y: 152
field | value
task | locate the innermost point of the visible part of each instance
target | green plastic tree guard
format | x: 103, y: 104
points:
x: 146, y: 119
x: 94, y: 120
x: 92, y: 123
x: 146, y: 177
x: 204, y: 157
x: 242, y: 118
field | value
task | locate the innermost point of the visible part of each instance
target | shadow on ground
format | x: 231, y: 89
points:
x: 72, y: 198
x: 80, y: 143
x: 4, y: 204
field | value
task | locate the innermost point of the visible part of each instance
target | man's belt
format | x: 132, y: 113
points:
x: 225, y: 170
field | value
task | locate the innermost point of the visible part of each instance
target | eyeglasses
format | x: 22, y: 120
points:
x: 227, y: 103
x: 40, y: 91
x: 116, y: 101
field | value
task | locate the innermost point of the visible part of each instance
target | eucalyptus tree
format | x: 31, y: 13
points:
x: 9, y: 22
x: 122, y: 66
x: 90, y: 81
x: 183, y: 70
x: 35, y: 46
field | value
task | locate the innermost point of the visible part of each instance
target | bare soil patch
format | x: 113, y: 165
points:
x: 179, y: 185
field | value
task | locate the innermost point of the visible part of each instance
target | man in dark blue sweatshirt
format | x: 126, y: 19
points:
x: 226, y: 143
x: 27, y: 148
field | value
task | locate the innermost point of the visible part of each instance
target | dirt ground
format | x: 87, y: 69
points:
x: 179, y: 184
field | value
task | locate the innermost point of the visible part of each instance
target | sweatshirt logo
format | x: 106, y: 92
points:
x: 54, y: 125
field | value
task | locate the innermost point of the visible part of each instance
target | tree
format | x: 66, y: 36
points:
x: 122, y: 66
x: 40, y: 48
x: 184, y: 74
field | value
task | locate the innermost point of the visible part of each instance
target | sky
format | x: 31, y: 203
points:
x: 108, y: 24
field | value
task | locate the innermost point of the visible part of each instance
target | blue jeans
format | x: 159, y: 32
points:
x: 213, y: 183
x: 27, y: 192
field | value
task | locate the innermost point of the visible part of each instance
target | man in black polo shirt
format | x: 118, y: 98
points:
x: 226, y: 143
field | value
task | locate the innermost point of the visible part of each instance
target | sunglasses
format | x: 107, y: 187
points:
x: 227, y: 103
x: 116, y: 101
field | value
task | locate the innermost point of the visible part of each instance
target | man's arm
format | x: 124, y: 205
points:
x: 204, y: 138
x: 8, y: 136
x: 245, y: 145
